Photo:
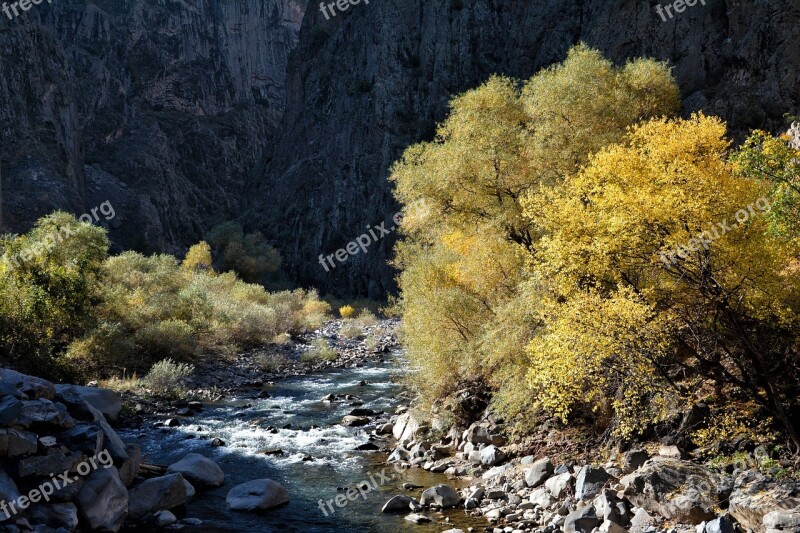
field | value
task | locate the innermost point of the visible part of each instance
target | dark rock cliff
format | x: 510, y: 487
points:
x: 367, y: 83
x: 186, y: 113
x: 165, y: 108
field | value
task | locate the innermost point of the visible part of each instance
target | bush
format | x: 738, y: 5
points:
x: 271, y: 363
x: 351, y: 331
x: 173, y: 339
x: 320, y: 350
x: 366, y: 319
x: 247, y: 254
x: 347, y: 311
x: 166, y: 378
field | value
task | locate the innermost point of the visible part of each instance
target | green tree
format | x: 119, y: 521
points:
x: 247, y: 254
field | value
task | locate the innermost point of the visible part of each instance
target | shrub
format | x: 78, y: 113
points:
x: 198, y: 258
x: 347, y: 311
x: 366, y: 319
x: 166, y: 378
x: 247, y: 254
x: 105, y: 351
x: 271, y: 363
x: 351, y: 331
x: 173, y: 339
x: 320, y: 350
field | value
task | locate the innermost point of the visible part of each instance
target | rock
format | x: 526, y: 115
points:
x: 217, y: 443
x: 8, y: 489
x: 672, y: 452
x: 581, y: 521
x: 610, y: 508
x: 641, y: 521
x: 755, y: 495
x: 260, y: 494
x: 103, y: 500
x: 130, y: 468
x: 491, y: 455
x: 46, y: 465
x: 190, y: 492
x: 385, y: 429
x: 86, y: 438
x: 541, y: 497
x: 397, y: 504
x: 405, y: 428
x: 723, y: 524
x: 611, y: 527
x: 10, y: 408
x: 539, y: 472
x: 164, y: 519
x: 362, y: 412
x: 418, y: 518
x: 477, y: 434
x: 590, y: 482
x: 106, y: 401
x: 111, y: 440
x: 55, y: 515
x: 193, y: 522
x: 355, y: 421
x: 43, y: 412
x: 156, y: 494
x: 17, y: 442
x: 454, y: 531
x: 496, y: 471
x: 675, y: 489
x: 367, y: 447
x: 633, y: 459
x: 441, y: 495
x: 558, y: 485
x: 199, y: 470
x: 172, y: 423
x: 782, y: 521
x: 33, y: 387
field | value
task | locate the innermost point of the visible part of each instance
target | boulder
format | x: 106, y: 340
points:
x: 477, y: 434
x: 199, y: 470
x: 86, y: 438
x: 355, y: 421
x: 261, y: 494
x: 43, y: 412
x: 782, y: 521
x: 164, y: 519
x: 111, y: 440
x: 405, y: 428
x: 47, y: 465
x: 441, y: 495
x: 190, y: 492
x: 611, y: 527
x: 559, y: 485
x: 590, y: 481
x: 581, y: 521
x: 633, y: 459
x: 10, y: 408
x: 491, y: 455
x: 418, y: 518
x: 157, y: 494
x: 106, y: 401
x: 541, y: 497
x: 31, y: 386
x: 103, y: 500
x: 398, y: 504
x: 8, y: 489
x: 610, y: 508
x: 362, y: 411
x: 723, y: 524
x: 539, y: 472
x: 17, y: 442
x: 755, y: 495
x: 55, y: 515
x: 129, y: 469
x: 677, y: 490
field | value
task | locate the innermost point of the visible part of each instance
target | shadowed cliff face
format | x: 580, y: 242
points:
x: 164, y: 108
x: 366, y: 84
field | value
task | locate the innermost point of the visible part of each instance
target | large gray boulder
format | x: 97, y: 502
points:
x: 477, y: 434
x: 539, y: 472
x: 581, y: 521
x: 590, y: 481
x: 199, y: 471
x: 491, y: 455
x: 782, y: 521
x: 43, y: 412
x: 559, y: 485
x: 17, y: 442
x: 106, y: 401
x: 10, y: 408
x: 754, y: 496
x: 398, y: 504
x: 157, y: 494
x: 405, y: 428
x: 103, y: 500
x: 129, y: 469
x: 54, y: 515
x: 31, y: 386
x: 675, y: 489
x: 8, y: 490
x: 441, y: 495
x: 257, y: 495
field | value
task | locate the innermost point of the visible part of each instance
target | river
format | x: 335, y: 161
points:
x: 315, y: 431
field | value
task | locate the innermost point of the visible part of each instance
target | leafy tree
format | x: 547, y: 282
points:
x: 247, y: 254
x: 198, y: 258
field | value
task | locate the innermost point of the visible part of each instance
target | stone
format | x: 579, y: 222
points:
x: 8, y: 489
x: 782, y: 521
x: 355, y: 421
x: 86, y: 438
x: 581, y: 521
x: 190, y: 492
x: 633, y: 459
x: 477, y: 434
x: 164, y: 518
x: 539, y: 472
x: 106, y: 401
x: 33, y: 387
x: 610, y: 527
x: 156, y: 494
x: 672, y: 452
x: 590, y: 482
x: 129, y: 469
x: 55, y: 515
x: 610, y: 508
x: 723, y: 524
x: 103, y: 500
x: 491, y: 455
x: 418, y: 518
x: 677, y: 490
x: 558, y: 485
x: 541, y: 497
x: 362, y: 412
x: 19, y: 442
x: 199, y: 470
x: 260, y: 494
x: 398, y: 504
x: 46, y: 465
x: 43, y: 412
x: 385, y: 429
x: 111, y: 440
x: 10, y: 408
x: 405, y: 428
x: 441, y: 495
x: 641, y: 521
x: 755, y: 495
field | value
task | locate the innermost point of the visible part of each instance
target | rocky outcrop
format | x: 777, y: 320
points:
x: 755, y: 495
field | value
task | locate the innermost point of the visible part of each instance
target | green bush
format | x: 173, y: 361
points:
x: 166, y: 339
x: 320, y: 350
x: 167, y: 377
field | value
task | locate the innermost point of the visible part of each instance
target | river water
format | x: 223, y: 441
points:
x: 315, y: 431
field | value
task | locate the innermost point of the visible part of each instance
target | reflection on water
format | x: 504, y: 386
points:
x: 249, y: 426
